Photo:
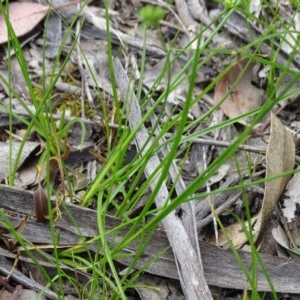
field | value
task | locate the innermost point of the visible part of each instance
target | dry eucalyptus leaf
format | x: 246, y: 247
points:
x: 27, y: 172
x: 280, y: 157
x: 290, y: 204
x: 292, y: 198
x: 177, y: 94
x: 7, y: 154
x: 282, y: 239
x: 242, y: 95
x: 97, y: 70
x: 23, y: 16
x: 16, y: 81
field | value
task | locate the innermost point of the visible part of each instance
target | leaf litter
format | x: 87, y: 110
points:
x: 280, y: 158
x: 241, y: 90
x: 241, y: 95
x: 24, y: 17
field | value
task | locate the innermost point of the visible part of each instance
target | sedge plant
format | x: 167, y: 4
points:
x: 116, y: 179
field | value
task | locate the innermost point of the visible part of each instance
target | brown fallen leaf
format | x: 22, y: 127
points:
x: 280, y: 157
x: 243, y: 95
x: 23, y: 16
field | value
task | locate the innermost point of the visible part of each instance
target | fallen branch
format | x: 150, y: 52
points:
x: 220, y: 266
x: 188, y: 261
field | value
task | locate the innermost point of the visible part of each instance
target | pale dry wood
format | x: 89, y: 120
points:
x: 188, y: 208
x: 220, y: 266
x: 192, y: 276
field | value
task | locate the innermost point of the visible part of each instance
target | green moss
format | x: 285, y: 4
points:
x: 73, y: 104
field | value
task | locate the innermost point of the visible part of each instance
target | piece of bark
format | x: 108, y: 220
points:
x: 220, y: 266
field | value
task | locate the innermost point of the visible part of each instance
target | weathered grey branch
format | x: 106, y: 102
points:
x: 220, y: 266
x: 188, y: 215
x: 192, y: 276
